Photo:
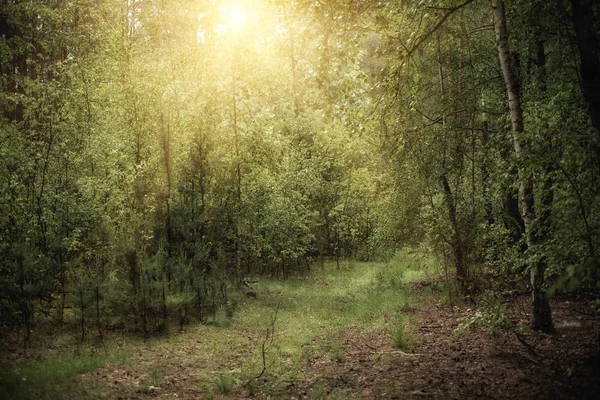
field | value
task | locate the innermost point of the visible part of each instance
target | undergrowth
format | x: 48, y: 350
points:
x: 313, y: 313
x: 46, y: 379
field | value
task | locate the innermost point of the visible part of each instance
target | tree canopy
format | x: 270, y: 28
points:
x: 156, y: 153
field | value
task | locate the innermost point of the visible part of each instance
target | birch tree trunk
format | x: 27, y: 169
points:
x: 542, y: 316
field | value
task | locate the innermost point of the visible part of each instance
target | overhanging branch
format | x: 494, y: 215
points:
x: 426, y: 35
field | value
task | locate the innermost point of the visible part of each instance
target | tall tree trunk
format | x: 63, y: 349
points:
x: 98, y: 322
x: 588, y: 45
x: 166, y: 139
x: 512, y: 216
x: 457, y: 243
x: 237, y: 171
x: 543, y: 230
x: 542, y: 316
x: 485, y: 175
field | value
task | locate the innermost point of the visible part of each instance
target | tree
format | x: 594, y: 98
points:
x: 585, y: 16
x: 542, y: 315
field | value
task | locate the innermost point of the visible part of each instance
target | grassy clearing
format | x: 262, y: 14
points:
x: 311, y: 313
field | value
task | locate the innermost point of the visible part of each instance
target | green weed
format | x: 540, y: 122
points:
x: 154, y: 378
x: 336, y: 352
x: 144, y: 388
x: 401, y: 337
x: 318, y: 391
x: 225, y: 383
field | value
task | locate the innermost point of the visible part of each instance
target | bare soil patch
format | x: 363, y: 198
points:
x: 472, y: 365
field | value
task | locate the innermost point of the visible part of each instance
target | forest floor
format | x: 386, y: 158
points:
x: 364, y: 331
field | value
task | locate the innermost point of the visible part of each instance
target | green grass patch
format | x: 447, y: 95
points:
x: 366, y: 297
x: 336, y: 352
x: 318, y: 391
x: 311, y: 313
x: 153, y: 378
x: 225, y: 383
x: 47, y: 379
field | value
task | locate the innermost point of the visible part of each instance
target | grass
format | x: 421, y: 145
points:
x: 46, y: 379
x: 336, y: 352
x: 318, y: 391
x: 153, y: 378
x: 401, y: 336
x: 311, y: 313
x: 225, y: 383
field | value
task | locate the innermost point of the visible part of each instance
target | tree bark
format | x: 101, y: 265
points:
x: 457, y: 243
x: 588, y: 45
x: 512, y: 215
x: 542, y: 316
x: 483, y: 167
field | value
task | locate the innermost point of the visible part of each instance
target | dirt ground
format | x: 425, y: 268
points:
x: 442, y: 364
x: 474, y: 364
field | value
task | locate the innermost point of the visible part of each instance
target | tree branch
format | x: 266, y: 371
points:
x: 425, y: 36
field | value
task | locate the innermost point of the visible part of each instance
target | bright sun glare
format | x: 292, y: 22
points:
x: 236, y: 17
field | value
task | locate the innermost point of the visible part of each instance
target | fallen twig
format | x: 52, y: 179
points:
x: 360, y: 348
x: 270, y: 334
x: 529, y: 347
x: 395, y: 352
x: 430, y: 327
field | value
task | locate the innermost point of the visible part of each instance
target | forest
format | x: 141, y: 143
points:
x: 299, y: 199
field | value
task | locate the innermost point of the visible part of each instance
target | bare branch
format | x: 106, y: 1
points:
x: 425, y: 36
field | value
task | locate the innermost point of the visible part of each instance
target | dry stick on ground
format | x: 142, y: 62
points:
x: 360, y: 348
x: 396, y: 352
x: 381, y: 353
x: 530, y: 348
x: 270, y: 334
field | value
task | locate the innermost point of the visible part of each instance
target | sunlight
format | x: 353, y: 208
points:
x: 234, y: 17
x: 237, y: 17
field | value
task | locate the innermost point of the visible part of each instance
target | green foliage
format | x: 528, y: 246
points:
x: 148, y: 163
x: 492, y: 315
x: 336, y: 353
x: 407, y: 265
x: 446, y: 121
x: 577, y: 276
x: 130, y: 194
